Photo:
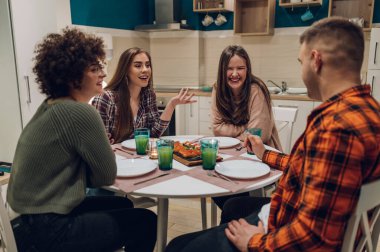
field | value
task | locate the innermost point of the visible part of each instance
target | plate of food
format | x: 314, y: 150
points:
x: 187, y: 150
x: 189, y: 153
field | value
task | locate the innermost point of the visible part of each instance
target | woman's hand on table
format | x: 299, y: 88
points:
x: 254, y: 144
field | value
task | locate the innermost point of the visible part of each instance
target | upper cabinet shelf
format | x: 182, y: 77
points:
x: 213, y: 5
x: 254, y: 17
x: 354, y: 9
x: 295, y: 4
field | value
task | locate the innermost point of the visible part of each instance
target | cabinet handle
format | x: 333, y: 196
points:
x: 288, y: 106
x: 191, y: 110
x: 373, y: 81
x: 28, y: 97
x: 374, y: 57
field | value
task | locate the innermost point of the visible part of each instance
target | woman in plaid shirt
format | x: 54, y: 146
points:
x: 129, y: 102
x: 338, y: 153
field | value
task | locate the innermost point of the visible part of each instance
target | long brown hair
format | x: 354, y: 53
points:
x: 236, y: 111
x: 119, y: 84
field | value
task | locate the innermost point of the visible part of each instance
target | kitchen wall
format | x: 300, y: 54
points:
x: 190, y: 58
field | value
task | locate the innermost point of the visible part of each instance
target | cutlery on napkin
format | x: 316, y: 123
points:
x: 149, y: 179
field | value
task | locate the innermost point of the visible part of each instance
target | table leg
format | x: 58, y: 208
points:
x: 162, y: 223
x: 204, y: 213
x: 213, y: 213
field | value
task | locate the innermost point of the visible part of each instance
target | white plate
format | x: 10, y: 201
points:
x: 242, y: 169
x: 134, y: 167
x: 225, y: 142
x: 130, y: 144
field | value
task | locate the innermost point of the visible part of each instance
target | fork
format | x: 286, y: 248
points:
x: 217, y: 175
x: 238, y: 148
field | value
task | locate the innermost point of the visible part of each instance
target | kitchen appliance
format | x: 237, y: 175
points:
x: 161, y: 105
x: 168, y: 17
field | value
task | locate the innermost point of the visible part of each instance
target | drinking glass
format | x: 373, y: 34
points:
x: 209, y: 150
x: 165, y: 154
x: 142, y: 140
x: 255, y: 132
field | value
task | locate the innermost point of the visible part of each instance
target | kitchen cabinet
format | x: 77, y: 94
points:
x: 254, y: 17
x: 304, y: 109
x: 373, y: 74
x: 292, y: 4
x: 192, y: 118
x: 373, y: 78
x: 205, y: 122
x: 374, y: 49
x: 23, y: 24
x: 213, y: 5
x: 353, y: 9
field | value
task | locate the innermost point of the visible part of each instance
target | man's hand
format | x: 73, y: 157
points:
x: 240, y: 232
x: 254, y: 144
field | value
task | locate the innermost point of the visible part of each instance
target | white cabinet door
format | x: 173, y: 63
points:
x: 304, y: 109
x: 374, y: 49
x: 373, y: 78
x: 31, y: 21
x: 192, y: 118
x: 10, y: 115
x: 205, y: 115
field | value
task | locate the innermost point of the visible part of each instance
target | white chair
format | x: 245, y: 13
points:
x: 284, y: 118
x: 369, y: 201
x: 8, y: 242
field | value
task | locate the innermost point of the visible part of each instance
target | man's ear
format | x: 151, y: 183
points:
x: 316, y: 59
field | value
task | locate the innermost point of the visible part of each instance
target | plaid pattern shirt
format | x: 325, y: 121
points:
x: 147, y: 115
x: 337, y: 153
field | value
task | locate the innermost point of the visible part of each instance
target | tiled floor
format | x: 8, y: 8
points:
x: 185, y: 217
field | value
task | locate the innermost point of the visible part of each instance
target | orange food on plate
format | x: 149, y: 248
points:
x: 187, y: 149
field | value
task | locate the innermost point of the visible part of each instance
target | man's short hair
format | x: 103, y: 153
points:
x: 343, y: 40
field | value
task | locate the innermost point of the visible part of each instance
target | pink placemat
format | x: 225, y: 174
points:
x: 128, y: 184
x: 201, y: 174
x: 120, y: 150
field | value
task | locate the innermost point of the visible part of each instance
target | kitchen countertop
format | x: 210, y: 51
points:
x: 171, y: 93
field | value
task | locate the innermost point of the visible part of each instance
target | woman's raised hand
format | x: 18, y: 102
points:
x: 183, y: 97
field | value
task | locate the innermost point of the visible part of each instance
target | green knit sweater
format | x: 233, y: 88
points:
x: 61, y: 151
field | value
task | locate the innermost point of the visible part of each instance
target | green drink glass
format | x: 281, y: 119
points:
x: 142, y: 140
x: 209, y: 150
x: 165, y: 154
x: 255, y: 132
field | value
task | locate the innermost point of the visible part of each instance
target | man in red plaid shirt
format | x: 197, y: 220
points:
x: 338, y: 152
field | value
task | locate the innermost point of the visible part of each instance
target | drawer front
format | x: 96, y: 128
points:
x: 204, y: 102
x: 205, y: 128
x: 205, y: 115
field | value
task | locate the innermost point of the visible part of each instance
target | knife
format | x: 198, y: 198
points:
x: 149, y: 179
x: 225, y: 178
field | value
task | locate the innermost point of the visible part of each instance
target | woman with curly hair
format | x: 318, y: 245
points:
x: 63, y: 150
x: 129, y: 101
